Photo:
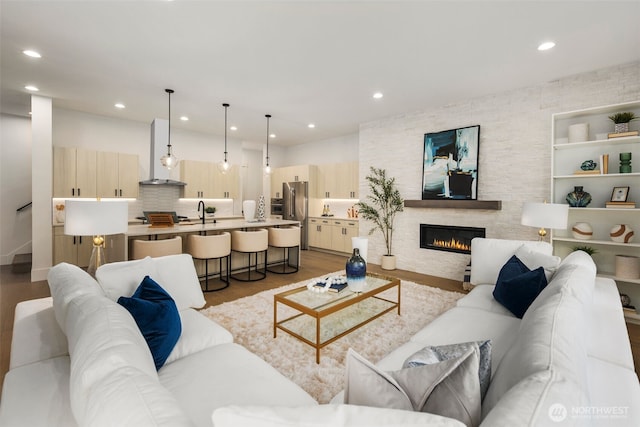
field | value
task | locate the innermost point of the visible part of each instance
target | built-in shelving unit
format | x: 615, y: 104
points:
x: 566, y: 160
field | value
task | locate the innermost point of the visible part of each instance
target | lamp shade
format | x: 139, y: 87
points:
x: 92, y: 217
x: 545, y: 215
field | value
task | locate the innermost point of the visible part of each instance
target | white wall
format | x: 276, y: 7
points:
x: 514, y: 166
x: 15, y: 186
x: 334, y: 150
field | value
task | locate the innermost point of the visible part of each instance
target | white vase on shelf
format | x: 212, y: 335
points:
x: 249, y: 209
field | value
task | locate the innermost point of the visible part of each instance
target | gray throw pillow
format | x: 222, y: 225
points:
x: 436, y: 354
x: 450, y: 388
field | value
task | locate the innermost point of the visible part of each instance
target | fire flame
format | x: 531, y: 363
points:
x: 452, y: 244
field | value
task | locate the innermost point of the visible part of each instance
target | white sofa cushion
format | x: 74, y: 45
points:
x: 131, y: 398
x: 37, y: 395
x: 481, y: 297
x: 198, y: 333
x: 489, y: 255
x: 551, y: 337
x: 227, y: 374
x: 541, y: 399
x: 325, y: 415
x: 175, y: 273
x: 464, y: 324
x: 103, y: 338
x: 533, y: 259
x: 66, y: 282
x: 36, y: 319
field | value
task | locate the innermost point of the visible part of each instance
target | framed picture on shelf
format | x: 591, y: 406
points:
x: 620, y: 194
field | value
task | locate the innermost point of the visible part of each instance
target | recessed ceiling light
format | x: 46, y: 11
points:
x: 31, y: 88
x: 184, y: 118
x: 119, y: 105
x: 233, y: 128
x: 32, y: 53
x: 273, y: 135
x: 546, y: 46
x: 378, y: 95
x: 311, y: 126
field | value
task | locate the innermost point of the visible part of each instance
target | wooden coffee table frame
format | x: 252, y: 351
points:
x: 341, y: 301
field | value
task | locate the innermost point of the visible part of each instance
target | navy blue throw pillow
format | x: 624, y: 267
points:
x: 157, y: 317
x: 517, y: 286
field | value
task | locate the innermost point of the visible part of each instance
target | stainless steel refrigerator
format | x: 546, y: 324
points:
x: 296, y: 207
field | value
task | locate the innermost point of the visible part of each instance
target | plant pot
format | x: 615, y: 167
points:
x: 388, y: 262
x: 621, y: 127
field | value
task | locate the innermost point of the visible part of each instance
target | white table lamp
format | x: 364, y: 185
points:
x: 96, y: 218
x: 545, y: 215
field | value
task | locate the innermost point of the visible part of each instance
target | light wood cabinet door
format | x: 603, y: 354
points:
x: 128, y: 175
x: 86, y: 181
x: 353, y: 180
x: 277, y: 178
x: 71, y: 249
x: 326, y: 234
x: 231, y: 183
x: 197, y: 177
x: 314, y: 232
x: 74, y: 172
x: 107, y: 174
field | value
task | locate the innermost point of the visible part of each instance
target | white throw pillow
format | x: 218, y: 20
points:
x: 177, y: 275
x: 489, y: 255
x: 325, y: 415
x: 534, y: 259
x: 121, y: 279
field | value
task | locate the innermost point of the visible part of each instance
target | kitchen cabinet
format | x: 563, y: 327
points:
x: 71, y: 249
x: 205, y: 181
x: 225, y: 186
x: 342, y: 232
x: 74, y: 172
x: 117, y: 175
x: 567, y: 158
x: 338, y: 181
x: 332, y: 234
x: 198, y: 176
x: 292, y: 174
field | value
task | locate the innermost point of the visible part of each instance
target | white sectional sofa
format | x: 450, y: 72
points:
x: 78, y: 358
x: 568, y: 361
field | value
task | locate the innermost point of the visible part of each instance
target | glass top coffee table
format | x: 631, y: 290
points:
x: 318, y: 319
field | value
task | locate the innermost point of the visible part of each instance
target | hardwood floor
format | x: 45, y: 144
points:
x: 17, y: 287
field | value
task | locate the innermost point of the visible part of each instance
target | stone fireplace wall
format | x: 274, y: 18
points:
x: 514, y: 164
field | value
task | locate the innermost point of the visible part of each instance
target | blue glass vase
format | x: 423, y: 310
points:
x: 356, y: 272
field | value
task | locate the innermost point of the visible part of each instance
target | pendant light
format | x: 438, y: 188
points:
x: 169, y: 161
x: 267, y: 168
x: 224, y: 166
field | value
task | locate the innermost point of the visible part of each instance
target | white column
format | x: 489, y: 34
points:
x: 41, y: 185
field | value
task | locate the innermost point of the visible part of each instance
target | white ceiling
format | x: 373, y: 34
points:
x: 300, y: 61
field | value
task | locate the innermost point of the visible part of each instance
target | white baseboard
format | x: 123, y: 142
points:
x: 8, y: 258
x: 39, y: 274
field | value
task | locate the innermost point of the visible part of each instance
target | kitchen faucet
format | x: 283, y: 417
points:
x: 201, y: 203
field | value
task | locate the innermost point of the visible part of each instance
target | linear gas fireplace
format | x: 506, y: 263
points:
x: 448, y: 237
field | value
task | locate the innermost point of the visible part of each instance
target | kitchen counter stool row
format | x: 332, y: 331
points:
x: 249, y: 249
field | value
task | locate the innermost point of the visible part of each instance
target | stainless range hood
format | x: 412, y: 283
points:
x: 159, y: 175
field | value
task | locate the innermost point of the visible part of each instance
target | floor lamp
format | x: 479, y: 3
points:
x: 545, y: 215
x: 96, y: 218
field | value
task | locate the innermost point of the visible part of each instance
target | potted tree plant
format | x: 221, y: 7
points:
x: 384, y: 203
x: 621, y: 121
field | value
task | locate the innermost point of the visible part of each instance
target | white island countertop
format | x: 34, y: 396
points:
x: 196, y: 227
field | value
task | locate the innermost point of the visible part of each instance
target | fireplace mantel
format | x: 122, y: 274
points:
x: 495, y: 205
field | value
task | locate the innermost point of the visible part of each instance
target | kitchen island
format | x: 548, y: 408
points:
x: 183, y: 229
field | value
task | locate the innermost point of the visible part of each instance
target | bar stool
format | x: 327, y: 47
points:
x: 215, y: 246
x: 285, y: 238
x: 156, y: 248
x: 251, y: 242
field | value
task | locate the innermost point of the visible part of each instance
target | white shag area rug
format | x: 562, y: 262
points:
x: 250, y: 321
